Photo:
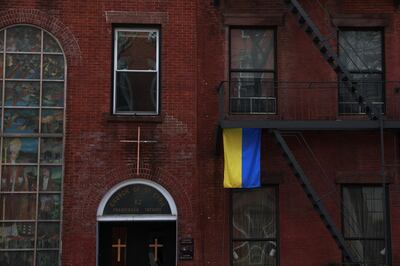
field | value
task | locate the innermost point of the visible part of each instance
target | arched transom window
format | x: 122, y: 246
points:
x: 32, y: 82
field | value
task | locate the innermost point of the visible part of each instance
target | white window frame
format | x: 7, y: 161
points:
x: 115, y: 70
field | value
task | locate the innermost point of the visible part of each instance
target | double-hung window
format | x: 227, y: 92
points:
x: 136, y: 71
x: 364, y: 222
x: 254, y: 227
x: 362, y: 54
x: 252, y: 71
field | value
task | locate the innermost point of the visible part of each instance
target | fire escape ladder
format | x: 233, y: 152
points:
x: 331, y: 58
x: 314, y: 198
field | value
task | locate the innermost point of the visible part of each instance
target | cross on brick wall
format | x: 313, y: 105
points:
x: 138, y: 141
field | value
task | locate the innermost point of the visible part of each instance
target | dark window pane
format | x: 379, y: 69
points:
x: 371, y: 252
x: 352, y: 211
x: 252, y: 92
x: 50, y: 178
x: 53, y: 94
x: 16, y: 258
x: 361, y: 50
x: 47, y: 258
x: 247, y: 84
x: 23, y: 39
x: 363, y: 212
x: 19, y: 178
x: 1, y: 66
x: 1, y: 41
x: 21, y: 93
x: 363, y: 222
x: 17, y: 235
x: 373, y: 212
x: 257, y: 253
x: 21, y: 121
x: 53, y: 67
x: 254, y: 214
x: 51, y: 150
x: 23, y: 66
x: 136, y: 92
x: 18, y: 206
x: 20, y: 150
x: 50, y: 44
x: 374, y: 252
x: 252, y: 49
x: 49, y: 207
x: 48, y: 235
x: 369, y: 86
x: 52, y: 121
x: 137, y: 50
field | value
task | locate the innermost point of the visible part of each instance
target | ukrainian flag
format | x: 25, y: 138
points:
x: 242, y: 157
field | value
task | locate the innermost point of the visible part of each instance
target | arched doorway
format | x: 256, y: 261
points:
x: 137, y: 225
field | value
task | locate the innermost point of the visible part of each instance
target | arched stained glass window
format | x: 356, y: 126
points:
x: 32, y: 82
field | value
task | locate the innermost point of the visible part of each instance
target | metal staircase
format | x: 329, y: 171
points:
x: 314, y: 198
x: 345, y: 80
x: 332, y: 58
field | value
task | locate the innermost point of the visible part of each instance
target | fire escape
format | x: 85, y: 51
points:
x: 376, y: 121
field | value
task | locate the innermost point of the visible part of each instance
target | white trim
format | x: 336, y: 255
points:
x: 136, y: 218
x: 133, y: 217
x: 137, y: 71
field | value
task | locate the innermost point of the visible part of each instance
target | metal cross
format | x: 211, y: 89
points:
x: 119, y: 246
x: 156, y: 246
x: 138, y: 141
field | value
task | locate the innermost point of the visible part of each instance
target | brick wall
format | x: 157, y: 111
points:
x: 303, y: 238
x: 193, y: 63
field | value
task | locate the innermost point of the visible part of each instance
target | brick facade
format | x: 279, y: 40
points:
x: 194, y: 60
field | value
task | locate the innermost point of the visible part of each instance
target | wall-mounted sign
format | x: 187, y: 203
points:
x: 186, y: 249
x: 137, y: 199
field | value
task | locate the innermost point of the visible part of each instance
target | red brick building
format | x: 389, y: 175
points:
x: 112, y: 114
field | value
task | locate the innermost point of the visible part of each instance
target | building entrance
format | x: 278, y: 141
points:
x: 137, y: 243
x: 137, y: 226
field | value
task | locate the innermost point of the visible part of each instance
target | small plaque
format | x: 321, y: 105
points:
x: 186, y: 249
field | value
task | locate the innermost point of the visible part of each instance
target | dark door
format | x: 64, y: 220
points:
x: 137, y: 243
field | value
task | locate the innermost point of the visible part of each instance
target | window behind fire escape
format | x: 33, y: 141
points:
x: 362, y: 54
x: 252, y: 71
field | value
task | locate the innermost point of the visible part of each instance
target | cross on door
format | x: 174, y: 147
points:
x: 119, y: 246
x: 155, y: 245
x: 138, y: 141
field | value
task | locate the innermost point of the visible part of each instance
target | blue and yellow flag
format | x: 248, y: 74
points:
x: 242, y: 157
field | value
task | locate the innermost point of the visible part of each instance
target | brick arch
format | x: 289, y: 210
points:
x: 49, y: 23
x: 104, y: 183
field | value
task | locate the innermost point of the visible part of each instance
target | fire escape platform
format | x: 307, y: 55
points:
x: 311, y: 124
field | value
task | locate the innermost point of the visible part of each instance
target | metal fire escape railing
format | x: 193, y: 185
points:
x: 314, y: 198
x: 345, y: 80
x: 332, y: 58
x: 372, y: 111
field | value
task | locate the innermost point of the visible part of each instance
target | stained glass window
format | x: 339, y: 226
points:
x: 136, y: 71
x: 32, y: 79
x: 254, y: 227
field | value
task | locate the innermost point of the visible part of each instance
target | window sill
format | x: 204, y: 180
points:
x: 134, y: 118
